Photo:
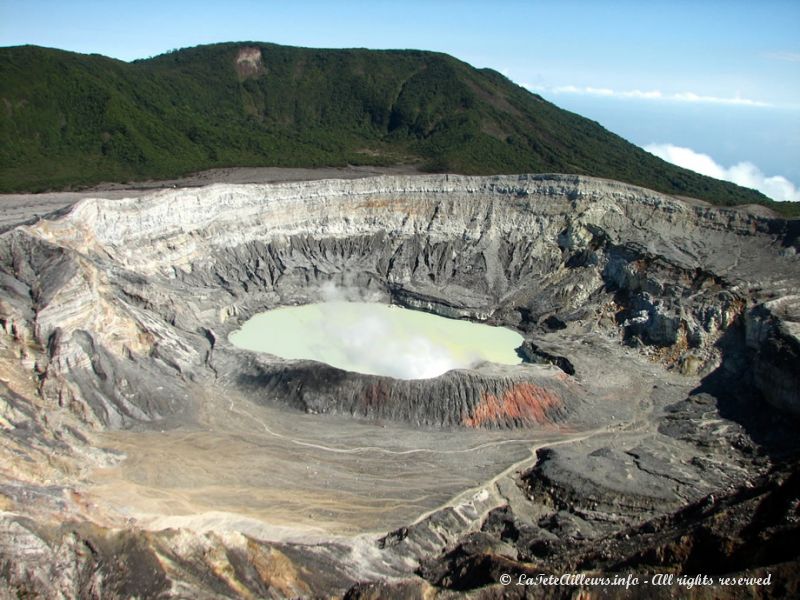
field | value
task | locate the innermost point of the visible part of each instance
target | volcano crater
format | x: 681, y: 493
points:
x: 141, y: 290
x: 660, y: 351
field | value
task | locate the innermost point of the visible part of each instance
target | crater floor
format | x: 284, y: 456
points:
x: 282, y: 475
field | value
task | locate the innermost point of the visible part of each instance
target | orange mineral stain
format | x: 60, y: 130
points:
x: 524, y: 402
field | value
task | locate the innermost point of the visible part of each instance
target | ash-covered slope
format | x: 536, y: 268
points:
x: 661, y: 338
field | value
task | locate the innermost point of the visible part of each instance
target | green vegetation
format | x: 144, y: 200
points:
x: 71, y: 120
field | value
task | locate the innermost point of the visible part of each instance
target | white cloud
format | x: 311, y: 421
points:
x: 599, y: 91
x: 745, y: 174
x: 786, y: 56
x: 646, y: 95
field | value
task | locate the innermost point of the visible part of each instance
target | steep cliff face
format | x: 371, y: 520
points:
x: 644, y: 315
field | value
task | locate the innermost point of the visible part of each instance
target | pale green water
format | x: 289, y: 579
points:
x: 377, y: 339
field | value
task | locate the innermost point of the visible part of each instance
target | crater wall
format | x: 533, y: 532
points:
x: 119, y: 293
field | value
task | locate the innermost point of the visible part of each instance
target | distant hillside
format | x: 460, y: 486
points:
x: 69, y: 120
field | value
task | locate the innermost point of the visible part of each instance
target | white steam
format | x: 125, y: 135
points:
x: 378, y: 346
x: 353, y: 330
x: 745, y: 174
x: 374, y: 343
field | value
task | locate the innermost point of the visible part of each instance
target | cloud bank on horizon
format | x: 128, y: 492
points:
x: 744, y: 173
x: 689, y: 97
x: 784, y: 56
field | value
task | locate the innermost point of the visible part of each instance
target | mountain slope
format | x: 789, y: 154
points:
x: 69, y: 120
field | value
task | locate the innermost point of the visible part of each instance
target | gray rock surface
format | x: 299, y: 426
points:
x: 661, y: 339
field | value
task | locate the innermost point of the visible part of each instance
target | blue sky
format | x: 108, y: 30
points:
x: 721, y: 78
